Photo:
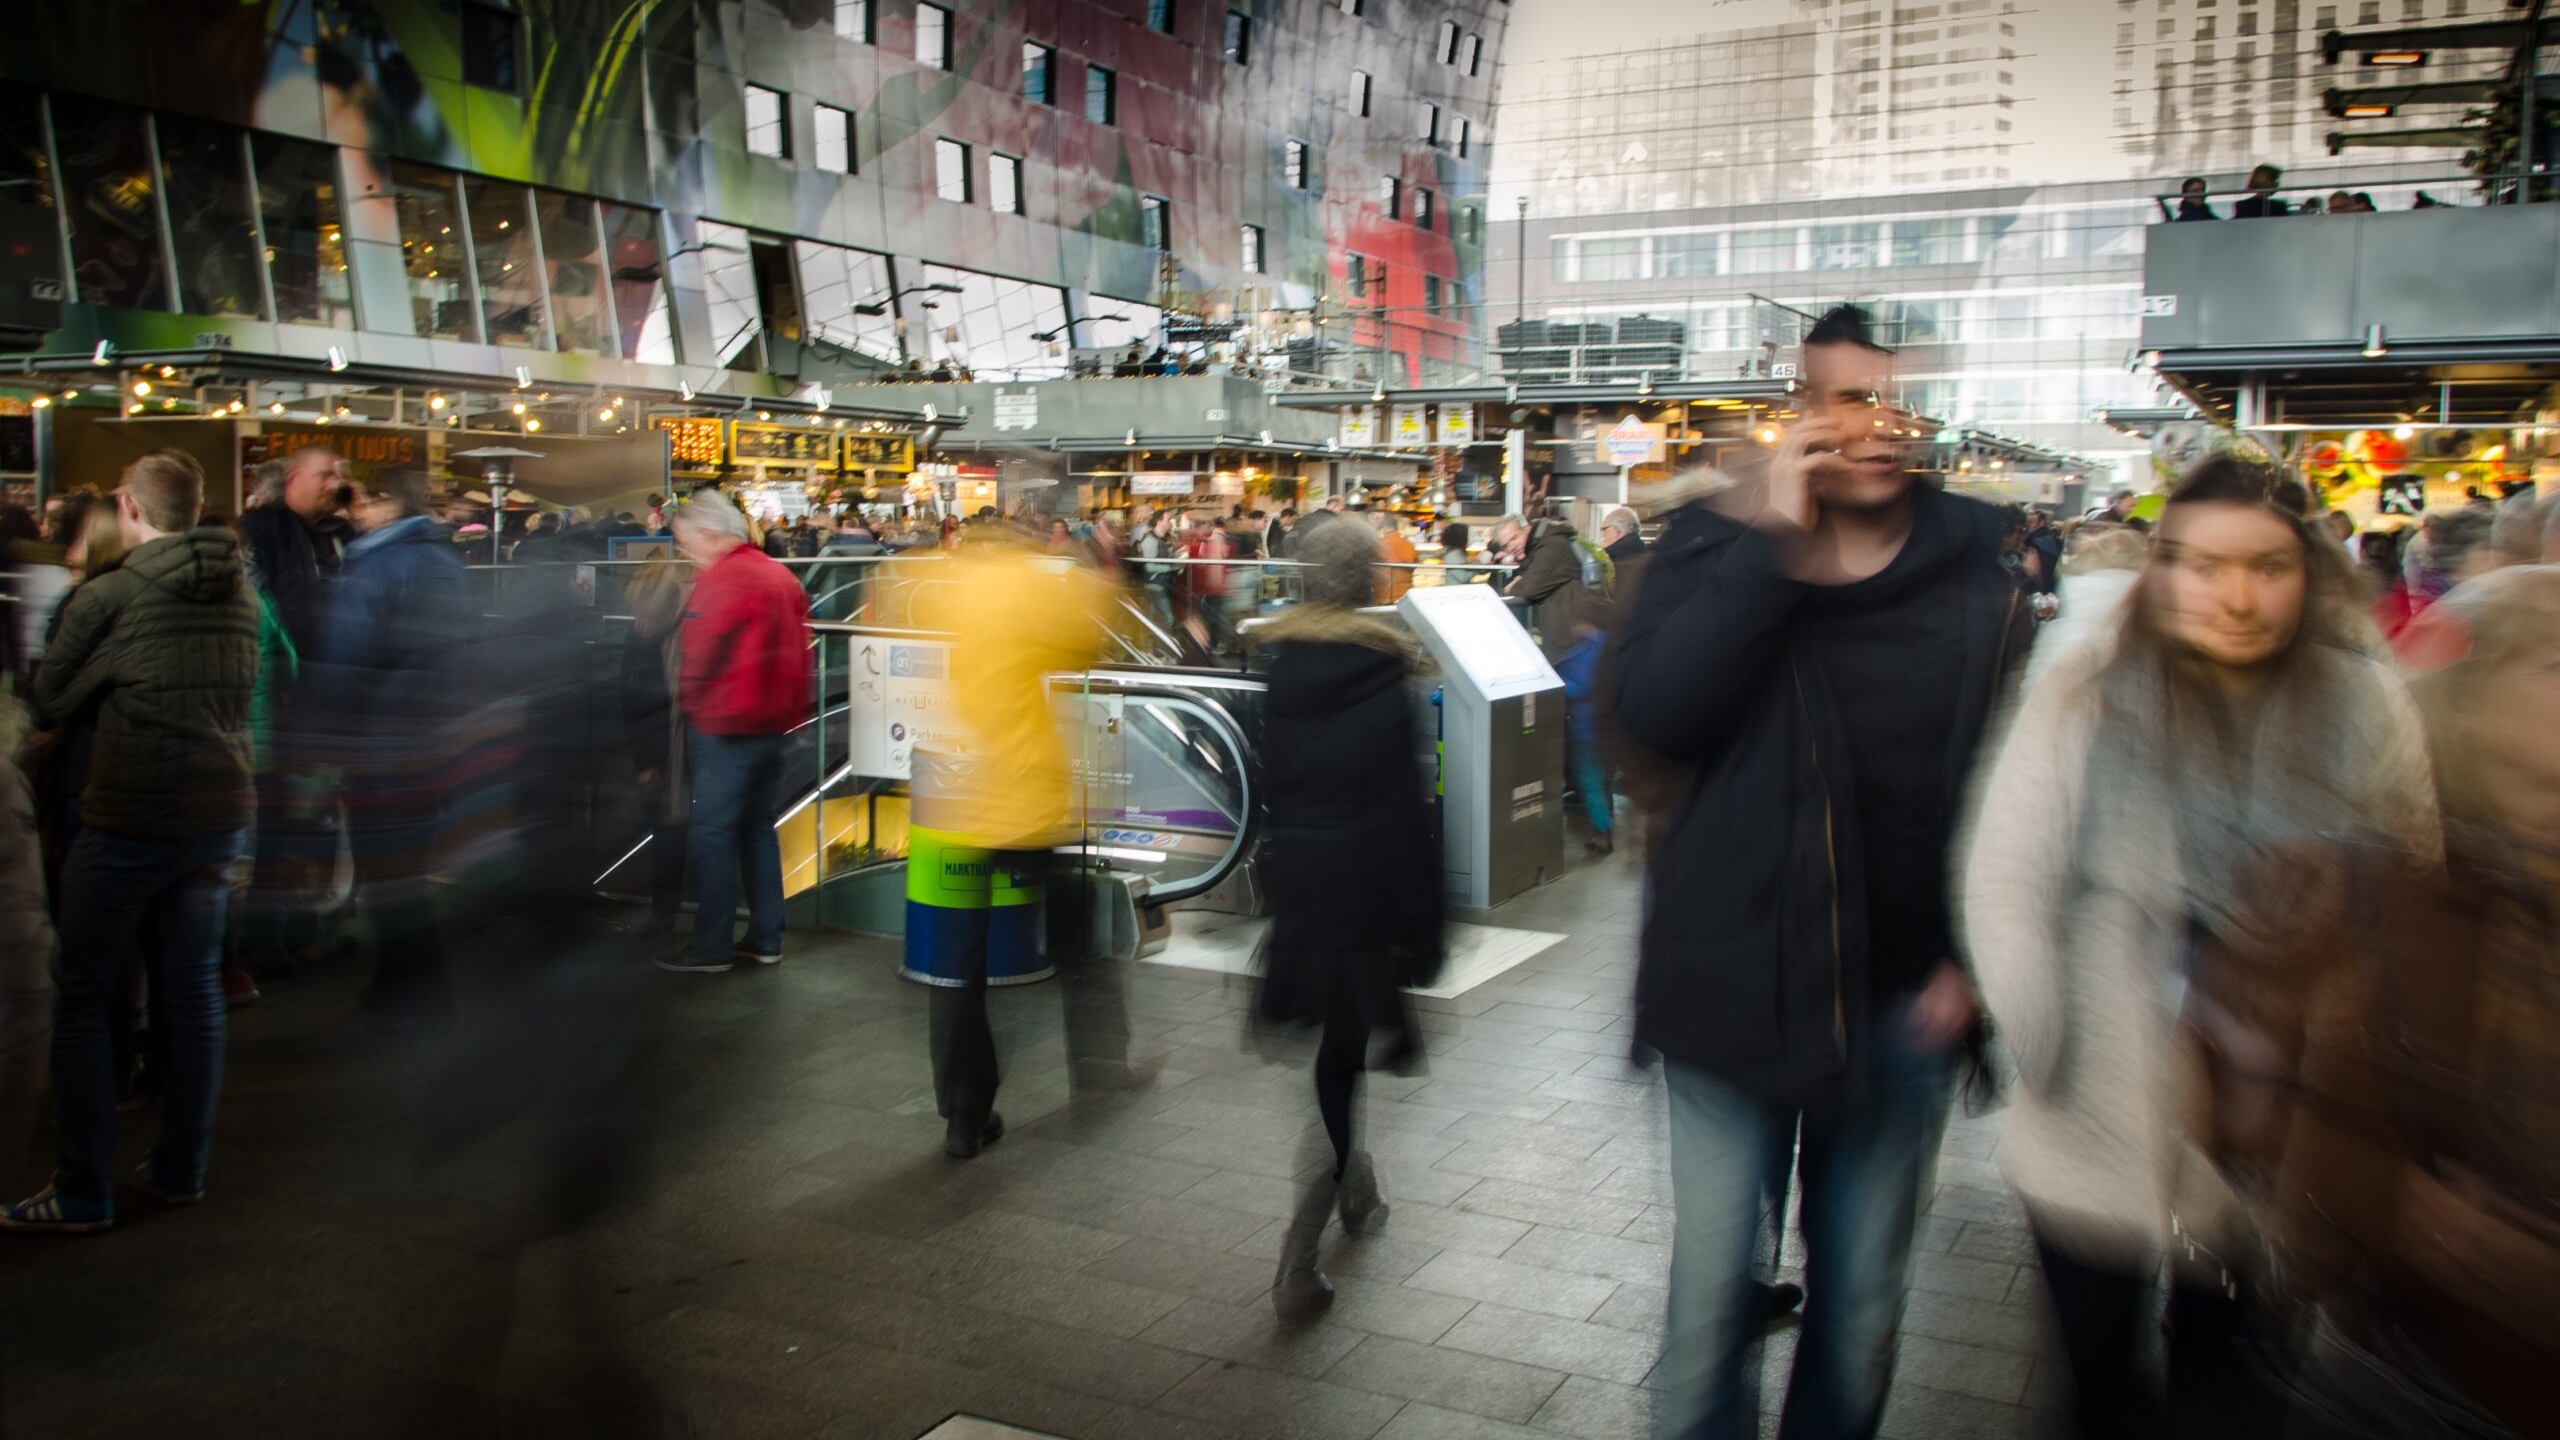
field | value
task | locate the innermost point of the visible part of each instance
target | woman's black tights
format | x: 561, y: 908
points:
x: 1340, y: 1057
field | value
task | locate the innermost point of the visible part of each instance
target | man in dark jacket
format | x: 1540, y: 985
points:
x: 293, y: 536
x: 1819, y: 651
x: 1549, y: 577
x: 1622, y: 536
x: 160, y: 655
x: 294, y: 539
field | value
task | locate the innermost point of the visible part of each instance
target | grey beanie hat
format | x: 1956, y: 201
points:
x: 1338, y: 560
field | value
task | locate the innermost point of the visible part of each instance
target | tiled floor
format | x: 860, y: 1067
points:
x: 795, y: 1257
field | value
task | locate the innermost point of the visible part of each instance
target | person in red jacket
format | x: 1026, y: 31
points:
x: 742, y: 684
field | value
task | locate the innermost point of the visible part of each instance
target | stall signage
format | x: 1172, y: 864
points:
x: 1360, y: 427
x: 1629, y: 442
x: 694, y: 442
x: 1160, y: 482
x: 356, y: 446
x: 1017, y: 410
x: 1408, y: 430
x: 1457, y: 424
x: 880, y: 452
x: 791, y: 444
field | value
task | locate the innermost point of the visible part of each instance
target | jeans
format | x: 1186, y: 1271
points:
x: 958, y: 1036
x: 1591, y: 781
x: 170, y: 898
x: 737, y: 790
x: 1863, y: 1163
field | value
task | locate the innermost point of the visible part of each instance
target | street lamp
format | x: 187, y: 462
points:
x: 1069, y: 329
x: 881, y: 306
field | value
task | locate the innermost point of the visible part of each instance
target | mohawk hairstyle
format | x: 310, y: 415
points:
x: 1844, y: 325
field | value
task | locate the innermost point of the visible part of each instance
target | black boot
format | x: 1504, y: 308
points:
x: 1300, y: 1292
x: 1363, y: 1208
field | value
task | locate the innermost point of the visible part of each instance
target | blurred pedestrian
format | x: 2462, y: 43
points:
x: 1819, y: 651
x: 2233, y: 712
x: 1396, y: 556
x: 26, y: 944
x: 2192, y: 201
x: 657, y: 597
x: 293, y: 535
x: 381, y: 687
x: 161, y: 653
x: 743, y: 685
x: 1550, y: 578
x: 1004, y: 793
x: 1353, y: 868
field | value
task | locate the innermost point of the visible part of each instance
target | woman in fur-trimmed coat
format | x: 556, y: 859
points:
x: 1352, y: 863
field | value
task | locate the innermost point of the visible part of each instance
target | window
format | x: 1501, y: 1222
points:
x: 1252, y: 249
x: 988, y: 326
x: 1039, y: 70
x: 1160, y: 16
x: 1293, y: 165
x: 1465, y: 135
x: 951, y: 171
x: 853, y: 20
x: 1475, y: 54
x: 639, y: 285
x: 428, y: 210
x: 933, y: 37
x: 1239, y: 44
x: 1430, y: 124
x: 1355, y: 275
x: 213, y: 229
x: 1422, y: 207
x: 1473, y: 220
x: 831, y: 139
x: 502, y: 246
x: 1004, y: 184
x: 1431, y: 294
x: 834, y: 284
x: 729, y: 292
x: 1448, y: 50
x: 1101, y: 95
x: 489, y: 41
x: 1155, y: 222
x: 1353, y: 7
x: 573, y: 266
x: 768, y: 123
x: 1359, y: 92
x: 306, y: 251
x: 1391, y: 198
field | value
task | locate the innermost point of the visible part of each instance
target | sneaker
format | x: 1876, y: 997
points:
x: 239, y: 987
x: 149, y: 1184
x: 761, y: 957
x: 685, y: 962
x: 49, y: 1213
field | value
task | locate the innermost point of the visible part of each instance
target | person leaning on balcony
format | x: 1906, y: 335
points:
x: 2192, y: 201
x: 2261, y: 200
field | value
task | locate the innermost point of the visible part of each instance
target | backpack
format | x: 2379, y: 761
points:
x: 1599, y: 572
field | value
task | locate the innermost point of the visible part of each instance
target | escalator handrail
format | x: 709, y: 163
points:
x: 1197, y: 687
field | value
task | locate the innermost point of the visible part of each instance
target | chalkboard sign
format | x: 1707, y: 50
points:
x: 18, y: 443
x: 792, y: 444
x: 879, y: 452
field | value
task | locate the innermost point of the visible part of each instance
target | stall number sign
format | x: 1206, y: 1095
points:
x: 2159, y: 307
x: 880, y: 452
x: 796, y: 444
x: 693, y: 441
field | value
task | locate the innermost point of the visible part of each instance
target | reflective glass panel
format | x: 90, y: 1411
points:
x: 502, y: 243
x: 306, y: 251
x: 729, y: 289
x: 834, y: 280
x: 639, y: 285
x: 111, y: 205
x: 573, y: 251
x: 432, y: 251
x: 210, y: 211
x: 989, y: 324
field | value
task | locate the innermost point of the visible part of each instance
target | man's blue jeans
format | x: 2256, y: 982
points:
x: 1863, y: 1164
x: 170, y: 898
x: 737, y: 790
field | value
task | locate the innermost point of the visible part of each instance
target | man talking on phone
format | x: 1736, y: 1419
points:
x: 1816, y: 652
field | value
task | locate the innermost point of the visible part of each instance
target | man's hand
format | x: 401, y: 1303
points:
x: 1811, y: 446
x: 649, y: 779
x: 1944, y: 1008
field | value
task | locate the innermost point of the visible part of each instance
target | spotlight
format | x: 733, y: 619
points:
x: 337, y: 358
x: 435, y: 402
x: 42, y: 401
x: 2374, y: 348
x: 518, y: 407
x: 141, y: 387
x: 275, y: 407
x: 532, y: 426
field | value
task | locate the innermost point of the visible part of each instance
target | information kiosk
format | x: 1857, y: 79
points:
x: 1502, y: 736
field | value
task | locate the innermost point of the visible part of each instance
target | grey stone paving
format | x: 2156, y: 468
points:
x: 803, y: 1262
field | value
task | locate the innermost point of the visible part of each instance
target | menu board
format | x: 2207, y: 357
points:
x: 879, y: 452
x: 791, y: 444
x: 694, y: 442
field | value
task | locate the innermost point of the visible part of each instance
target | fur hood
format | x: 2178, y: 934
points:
x: 1326, y: 624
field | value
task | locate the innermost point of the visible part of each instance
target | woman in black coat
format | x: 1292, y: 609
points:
x: 1352, y: 863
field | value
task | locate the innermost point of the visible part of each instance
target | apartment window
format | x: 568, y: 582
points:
x: 1239, y: 40
x: 951, y: 171
x: 1448, y: 42
x: 1252, y: 249
x: 1475, y: 55
x: 933, y: 36
x: 1355, y: 275
x: 831, y: 139
x: 1101, y: 95
x: 853, y: 20
x: 1465, y: 135
x: 1155, y: 222
x: 1391, y: 198
x: 1160, y: 16
x: 1004, y: 184
x: 490, y: 41
x: 768, y: 123
x: 1360, y: 87
x: 1353, y: 7
x: 1039, y: 73
x: 1431, y: 294
x: 1430, y: 124
x: 1473, y: 220
x: 1294, y: 165
x: 1422, y: 208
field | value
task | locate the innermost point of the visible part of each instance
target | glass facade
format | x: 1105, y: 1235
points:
x: 213, y: 218
x: 306, y: 249
x: 834, y: 283
x: 118, y: 255
x: 572, y: 239
x: 506, y: 258
x: 989, y: 324
x: 768, y: 123
x: 647, y: 329
x: 434, y: 251
x: 1004, y: 184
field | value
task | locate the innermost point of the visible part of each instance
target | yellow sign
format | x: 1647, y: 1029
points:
x: 1408, y: 430
x: 694, y: 442
x: 879, y: 452
x: 1457, y: 424
x: 791, y: 444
